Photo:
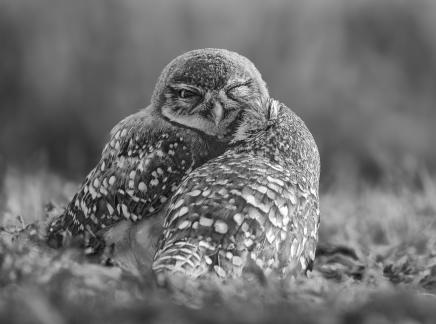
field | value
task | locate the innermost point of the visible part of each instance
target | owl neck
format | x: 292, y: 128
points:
x: 287, y: 141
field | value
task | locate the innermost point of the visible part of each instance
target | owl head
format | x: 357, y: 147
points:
x: 207, y: 89
x: 263, y: 112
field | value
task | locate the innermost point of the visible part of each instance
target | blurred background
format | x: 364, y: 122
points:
x: 362, y: 74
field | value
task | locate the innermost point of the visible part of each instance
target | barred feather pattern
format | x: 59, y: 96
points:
x: 139, y: 169
x: 255, y: 205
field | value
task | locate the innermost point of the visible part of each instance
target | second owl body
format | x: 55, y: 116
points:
x: 257, y: 204
x: 140, y: 167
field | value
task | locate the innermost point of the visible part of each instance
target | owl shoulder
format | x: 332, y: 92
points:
x: 139, y: 129
x: 143, y: 121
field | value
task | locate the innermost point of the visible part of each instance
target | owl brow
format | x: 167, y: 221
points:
x: 184, y: 86
x: 238, y: 84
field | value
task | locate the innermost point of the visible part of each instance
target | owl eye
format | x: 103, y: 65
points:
x: 239, y: 90
x: 184, y: 94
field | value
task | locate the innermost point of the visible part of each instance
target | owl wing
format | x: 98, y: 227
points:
x: 139, y: 168
x: 236, y: 211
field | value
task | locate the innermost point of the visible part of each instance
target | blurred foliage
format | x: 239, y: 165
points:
x: 360, y: 73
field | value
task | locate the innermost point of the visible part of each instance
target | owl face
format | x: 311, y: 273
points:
x: 207, y: 90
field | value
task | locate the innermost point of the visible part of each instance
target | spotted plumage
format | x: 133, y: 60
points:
x: 194, y: 111
x: 256, y: 205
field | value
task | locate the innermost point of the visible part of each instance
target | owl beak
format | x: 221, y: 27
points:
x: 217, y: 112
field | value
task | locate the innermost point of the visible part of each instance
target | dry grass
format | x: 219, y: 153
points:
x: 376, y: 264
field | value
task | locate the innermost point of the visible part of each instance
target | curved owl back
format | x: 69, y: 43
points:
x: 254, y: 207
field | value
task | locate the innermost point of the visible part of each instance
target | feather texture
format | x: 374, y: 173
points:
x: 140, y: 167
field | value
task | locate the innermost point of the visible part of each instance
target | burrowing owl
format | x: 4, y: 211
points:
x: 194, y: 110
x: 255, y: 205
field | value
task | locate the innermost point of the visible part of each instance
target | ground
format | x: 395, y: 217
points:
x: 376, y: 263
